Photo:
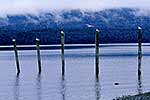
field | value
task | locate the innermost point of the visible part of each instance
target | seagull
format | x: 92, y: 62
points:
x: 88, y: 25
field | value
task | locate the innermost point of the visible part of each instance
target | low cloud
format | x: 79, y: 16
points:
x: 13, y: 7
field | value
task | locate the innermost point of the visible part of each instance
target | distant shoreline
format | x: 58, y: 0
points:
x: 68, y: 46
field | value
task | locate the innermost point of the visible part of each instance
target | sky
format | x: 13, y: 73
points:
x: 36, y: 6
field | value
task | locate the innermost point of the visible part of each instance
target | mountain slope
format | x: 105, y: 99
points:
x: 116, y: 25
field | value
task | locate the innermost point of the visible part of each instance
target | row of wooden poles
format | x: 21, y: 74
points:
x: 63, y: 57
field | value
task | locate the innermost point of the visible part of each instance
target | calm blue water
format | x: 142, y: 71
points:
x: 117, y: 64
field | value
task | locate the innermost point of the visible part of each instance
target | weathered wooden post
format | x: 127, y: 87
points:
x: 139, y: 50
x: 38, y: 54
x: 62, y: 52
x: 97, y: 52
x: 16, y: 56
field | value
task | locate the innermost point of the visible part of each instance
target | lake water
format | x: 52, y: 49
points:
x: 118, y: 64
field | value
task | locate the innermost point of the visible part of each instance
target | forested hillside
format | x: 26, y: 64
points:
x: 116, y: 26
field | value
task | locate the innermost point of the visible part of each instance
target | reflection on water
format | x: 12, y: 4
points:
x: 79, y: 82
x: 139, y: 87
x: 97, y: 89
x: 39, y: 87
x: 16, y: 87
x: 63, y: 88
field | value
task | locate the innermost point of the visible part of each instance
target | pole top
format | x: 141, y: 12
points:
x: 139, y: 28
x: 37, y: 39
x: 97, y: 30
x: 14, y: 40
x: 62, y: 32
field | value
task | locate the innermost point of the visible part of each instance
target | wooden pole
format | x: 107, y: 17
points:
x: 16, y: 56
x: 38, y: 54
x: 62, y: 53
x: 139, y: 50
x: 97, y: 52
